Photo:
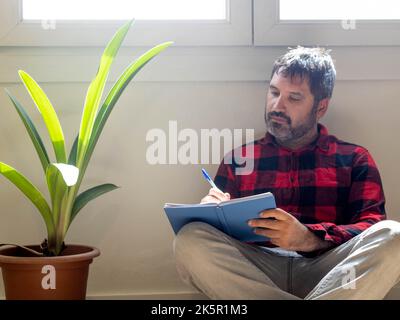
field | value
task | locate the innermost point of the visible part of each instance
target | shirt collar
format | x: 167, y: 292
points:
x: 322, y: 142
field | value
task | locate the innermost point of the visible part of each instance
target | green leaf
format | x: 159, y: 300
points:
x: 74, y: 150
x: 116, y: 92
x: 89, y: 195
x: 31, y: 192
x: 68, y: 172
x: 48, y: 113
x: 96, y: 89
x: 34, y: 135
x: 59, y: 177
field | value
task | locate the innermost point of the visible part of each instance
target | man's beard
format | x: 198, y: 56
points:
x: 287, y: 133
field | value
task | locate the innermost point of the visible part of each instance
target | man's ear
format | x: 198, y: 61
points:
x: 322, y: 107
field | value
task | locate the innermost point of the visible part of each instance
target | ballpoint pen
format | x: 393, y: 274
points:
x: 205, y: 174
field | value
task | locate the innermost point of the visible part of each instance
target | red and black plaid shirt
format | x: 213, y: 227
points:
x: 331, y: 186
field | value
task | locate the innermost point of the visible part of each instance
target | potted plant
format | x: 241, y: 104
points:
x: 54, y: 270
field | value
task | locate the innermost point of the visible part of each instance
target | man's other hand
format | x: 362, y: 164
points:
x: 286, y: 232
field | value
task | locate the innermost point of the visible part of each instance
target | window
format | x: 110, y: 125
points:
x: 327, y: 22
x: 186, y: 22
x: 124, y: 9
x: 339, y: 9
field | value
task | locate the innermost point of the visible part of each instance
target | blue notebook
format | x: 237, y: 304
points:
x: 228, y: 216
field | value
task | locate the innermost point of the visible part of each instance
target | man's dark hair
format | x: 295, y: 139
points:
x: 314, y: 64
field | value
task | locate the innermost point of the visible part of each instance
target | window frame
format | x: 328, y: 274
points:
x: 270, y: 31
x: 236, y: 30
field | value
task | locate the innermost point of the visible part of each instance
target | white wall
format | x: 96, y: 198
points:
x: 129, y: 225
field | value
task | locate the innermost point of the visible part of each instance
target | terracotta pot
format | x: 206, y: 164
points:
x: 46, y: 278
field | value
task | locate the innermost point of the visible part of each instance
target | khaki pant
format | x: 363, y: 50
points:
x: 365, y: 267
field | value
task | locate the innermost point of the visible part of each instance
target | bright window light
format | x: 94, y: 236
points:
x: 339, y: 9
x: 124, y: 9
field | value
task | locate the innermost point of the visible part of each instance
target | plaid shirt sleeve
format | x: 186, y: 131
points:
x: 225, y: 178
x: 366, y: 203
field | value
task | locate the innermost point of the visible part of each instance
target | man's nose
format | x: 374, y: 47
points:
x: 278, y: 105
